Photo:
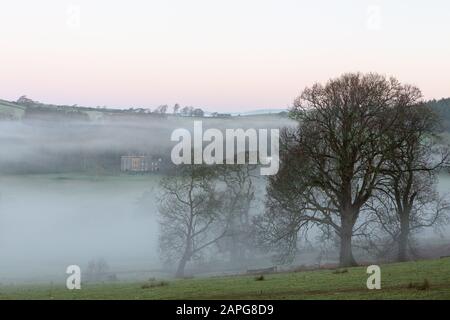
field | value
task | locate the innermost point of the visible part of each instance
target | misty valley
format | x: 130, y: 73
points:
x: 86, y: 193
x: 225, y: 159
x: 99, y: 188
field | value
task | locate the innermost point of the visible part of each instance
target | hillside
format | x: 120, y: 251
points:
x: 10, y: 110
x: 27, y: 108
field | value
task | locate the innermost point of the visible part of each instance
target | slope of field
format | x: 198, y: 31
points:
x: 11, y: 110
x: 411, y: 280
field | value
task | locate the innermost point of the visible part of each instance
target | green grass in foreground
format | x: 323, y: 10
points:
x: 399, y: 281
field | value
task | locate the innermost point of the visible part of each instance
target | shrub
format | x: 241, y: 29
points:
x: 260, y: 278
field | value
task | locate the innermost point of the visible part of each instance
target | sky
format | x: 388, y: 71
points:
x: 232, y: 55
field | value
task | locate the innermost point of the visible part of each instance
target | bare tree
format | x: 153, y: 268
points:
x: 176, y: 108
x: 289, y: 214
x: 341, y: 146
x: 97, y: 270
x: 186, y: 111
x: 190, y: 214
x: 197, y: 112
x: 25, y: 100
x: 161, y: 109
x: 239, y: 195
x: 407, y: 200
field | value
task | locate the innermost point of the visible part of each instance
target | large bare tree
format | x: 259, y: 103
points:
x: 342, y: 147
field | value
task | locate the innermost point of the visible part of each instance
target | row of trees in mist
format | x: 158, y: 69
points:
x: 361, y: 167
x: 187, y: 111
x: 362, y: 163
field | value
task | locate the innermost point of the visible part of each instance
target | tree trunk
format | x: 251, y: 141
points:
x: 181, y: 266
x: 404, y: 238
x: 346, y: 258
x: 184, y: 259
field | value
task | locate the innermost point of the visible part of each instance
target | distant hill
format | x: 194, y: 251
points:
x: 259, y: 112
x: 25, y: 108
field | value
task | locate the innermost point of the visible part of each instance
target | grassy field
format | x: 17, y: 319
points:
x: 11, y: 110
x: 399, y: 281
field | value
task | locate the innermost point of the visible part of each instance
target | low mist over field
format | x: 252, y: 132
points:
x: 73, y: 146
x: 51, y: 221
